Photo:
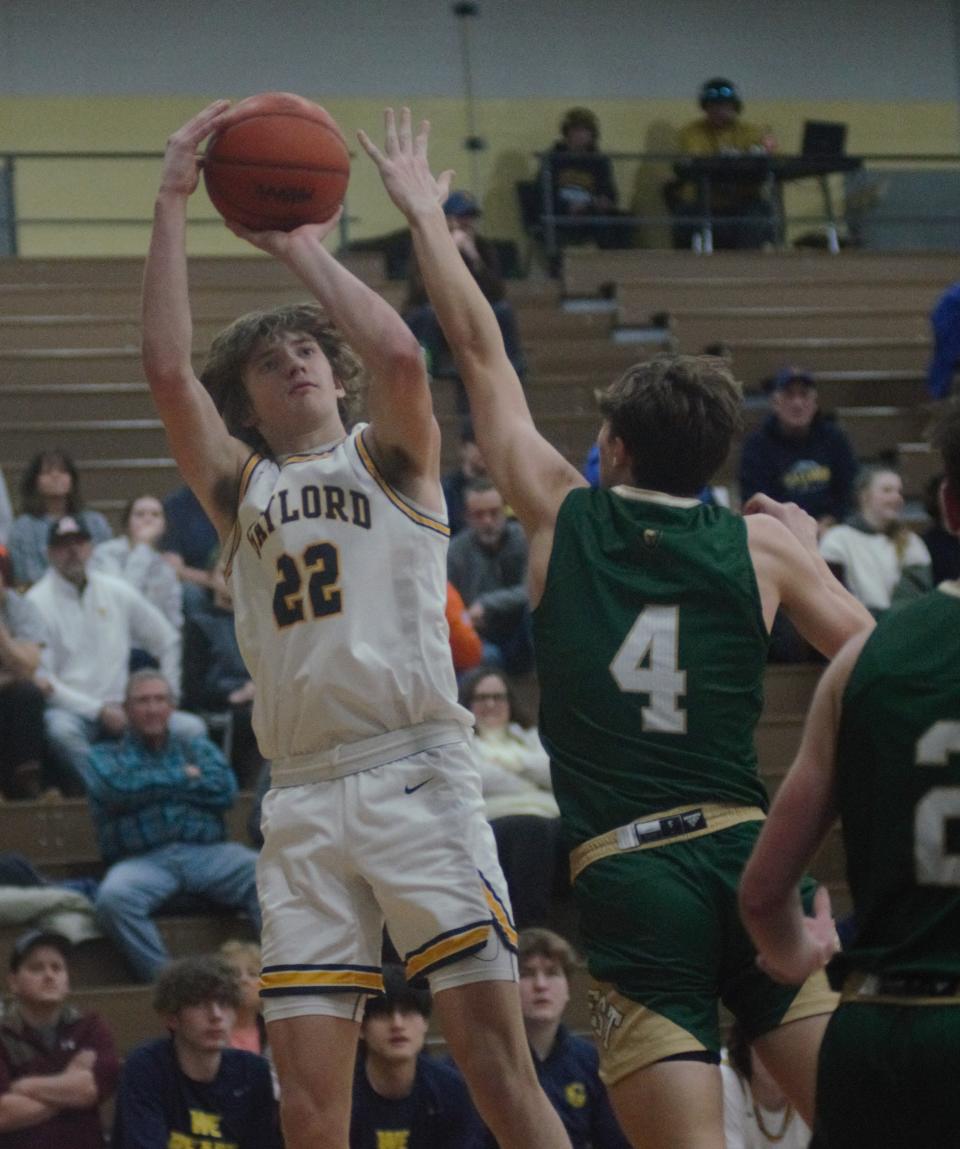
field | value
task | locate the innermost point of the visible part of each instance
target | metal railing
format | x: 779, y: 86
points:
x: 879, y: 194
x: 18, y: 211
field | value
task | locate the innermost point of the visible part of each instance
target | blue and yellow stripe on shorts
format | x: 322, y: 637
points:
x: 463, y: 941
x: 290, y: 980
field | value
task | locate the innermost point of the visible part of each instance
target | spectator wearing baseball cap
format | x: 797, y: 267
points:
x: 797, y: 455
x: 57, y: 1066
x: 740, y: 210
x: 480, y: 255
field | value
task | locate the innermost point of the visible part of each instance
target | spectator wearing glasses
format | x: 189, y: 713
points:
x: 518, y: 796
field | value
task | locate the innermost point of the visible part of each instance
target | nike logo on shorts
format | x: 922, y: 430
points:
x: 413, y: 789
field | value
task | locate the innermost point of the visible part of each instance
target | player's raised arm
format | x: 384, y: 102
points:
x: 209, y: 459
x: 533, y: 476
x: 791, y: 945
x: 791, y: 571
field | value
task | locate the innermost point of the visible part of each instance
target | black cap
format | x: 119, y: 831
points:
x: 787, y: 375
x: 719, y: 91
x: 26, y: 943
x: 66, y: 527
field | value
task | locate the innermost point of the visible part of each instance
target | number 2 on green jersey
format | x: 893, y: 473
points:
x: 646, y: 663
x: 937, y: 861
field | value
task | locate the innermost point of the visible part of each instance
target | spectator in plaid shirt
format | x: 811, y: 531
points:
x: 158, y: 803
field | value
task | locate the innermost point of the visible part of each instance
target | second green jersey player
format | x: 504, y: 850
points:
x: 881, y: 748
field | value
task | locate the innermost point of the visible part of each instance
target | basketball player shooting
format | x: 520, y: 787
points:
x: 336, y: 543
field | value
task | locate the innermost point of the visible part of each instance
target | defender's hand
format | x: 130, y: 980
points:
x: 404, y: 167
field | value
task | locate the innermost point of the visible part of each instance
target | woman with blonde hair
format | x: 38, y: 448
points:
x: 880, y: 560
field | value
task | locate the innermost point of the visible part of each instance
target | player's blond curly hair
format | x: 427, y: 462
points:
x: 222, y: 374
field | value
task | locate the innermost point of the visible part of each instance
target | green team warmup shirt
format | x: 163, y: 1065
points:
x: 898, y: 790
x: 651, y: 650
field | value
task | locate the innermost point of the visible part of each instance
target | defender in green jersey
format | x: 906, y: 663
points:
x: 651, y: 626
x: 882, y: 750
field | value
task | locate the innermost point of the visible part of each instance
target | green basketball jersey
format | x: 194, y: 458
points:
x: 898, y: 790
x: 651, y: 649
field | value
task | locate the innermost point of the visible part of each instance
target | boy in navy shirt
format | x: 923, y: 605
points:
x: 191, y: 1089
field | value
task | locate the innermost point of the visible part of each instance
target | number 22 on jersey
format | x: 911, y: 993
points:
x: 646, y: 663
x: 319, y: 565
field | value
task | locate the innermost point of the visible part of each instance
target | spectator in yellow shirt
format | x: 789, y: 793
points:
x: 739, y: 207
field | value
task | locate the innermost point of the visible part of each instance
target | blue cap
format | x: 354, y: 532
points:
x: 787, y: 375
x: 461, y: 203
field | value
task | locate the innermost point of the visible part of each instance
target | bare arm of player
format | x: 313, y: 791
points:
x: 208, y: 457
x: 530, y: 473
x: 403, y: 433
x: 790, y: 571
x: 791, y: 945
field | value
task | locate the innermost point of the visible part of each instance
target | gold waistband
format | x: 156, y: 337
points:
x: 680, y: 824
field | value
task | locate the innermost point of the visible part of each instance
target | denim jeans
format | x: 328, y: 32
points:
x: 224, y: 872
x: 70, y: 737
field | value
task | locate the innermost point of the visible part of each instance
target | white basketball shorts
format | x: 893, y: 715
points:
x: 405, y: 843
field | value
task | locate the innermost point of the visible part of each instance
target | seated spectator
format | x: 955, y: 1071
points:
x: 57, y: 1065
x: 215, y: 677
x: 135, y: 557
x: 158, y: 803
x: 466, y: 646
x: 487, y: 563
x: 740, y: 211
x: 49, y: 489
x: 582, y: 184
x: 518, y: 797
x: 191, y: 1088
x: 567, y: 1066
x: 879, y: 559
x: 92, y: 622
x: 22, y: 703
x: 470, y: 466
x: 189, y: 544
x: 943, y: 546
x: 401, y: 1095
x: 797, y: 455
x: 756, y: 1114
x: 480, y: 255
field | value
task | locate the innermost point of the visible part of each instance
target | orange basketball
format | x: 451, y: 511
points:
x: 280, y: 163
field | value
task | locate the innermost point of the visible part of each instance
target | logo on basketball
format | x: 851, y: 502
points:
x: 284, y: 195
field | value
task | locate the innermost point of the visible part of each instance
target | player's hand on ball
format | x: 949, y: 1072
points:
x: 181, y: 164
x: 404, y: 167
x: 279, y: 243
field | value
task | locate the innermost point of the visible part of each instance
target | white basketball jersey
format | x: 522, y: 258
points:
x: 339, y: 586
